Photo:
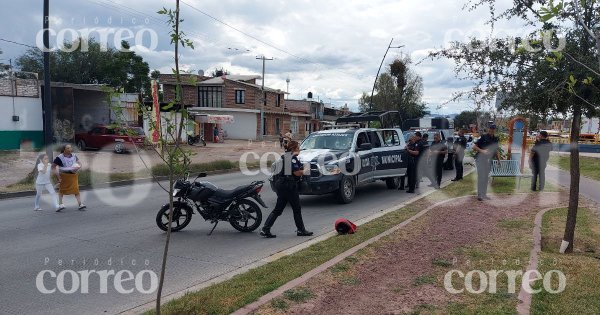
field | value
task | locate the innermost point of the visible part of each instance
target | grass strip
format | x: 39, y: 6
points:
x: 589, y: 166
x: 582, y: 292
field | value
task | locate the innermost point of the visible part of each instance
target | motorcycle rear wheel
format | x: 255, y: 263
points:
x: 245, y: 216
x: 182, y: 216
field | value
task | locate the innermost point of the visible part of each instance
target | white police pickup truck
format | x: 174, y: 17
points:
x: 342, y: 159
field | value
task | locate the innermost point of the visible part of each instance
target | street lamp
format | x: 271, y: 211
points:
x: 377, y: 76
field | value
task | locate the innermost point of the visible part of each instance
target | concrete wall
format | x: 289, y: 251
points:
x: 28, y: 128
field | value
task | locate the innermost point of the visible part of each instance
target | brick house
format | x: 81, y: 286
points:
x: 233, y: 95
x: 306, y: 116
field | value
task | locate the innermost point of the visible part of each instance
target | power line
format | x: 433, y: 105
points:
x: 260, y: 40
x: 17, y: 43
x: 121, y: 7
x: 204, y: 36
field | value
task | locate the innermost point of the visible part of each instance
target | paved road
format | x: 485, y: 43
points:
x: 587, y: 186
x: 117, y: 233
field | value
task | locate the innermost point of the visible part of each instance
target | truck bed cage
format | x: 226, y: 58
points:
x: 387, y: 119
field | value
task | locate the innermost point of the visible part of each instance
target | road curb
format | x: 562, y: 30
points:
x: 120, y: 183
x: 286, y: 252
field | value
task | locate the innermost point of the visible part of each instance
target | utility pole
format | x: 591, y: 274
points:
x: 262, y: 96
x: 47, y: 101
x: 377, y: 76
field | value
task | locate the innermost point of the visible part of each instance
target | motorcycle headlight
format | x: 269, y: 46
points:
x: 331, y: 169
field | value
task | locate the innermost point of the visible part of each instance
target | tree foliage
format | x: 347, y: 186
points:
x: 399, y: 88
x: 542, y: 74
x: 122, y: 70
x: 469, y: 117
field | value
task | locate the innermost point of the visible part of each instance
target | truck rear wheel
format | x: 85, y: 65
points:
x: 347, y: 190
x: 392, y: 183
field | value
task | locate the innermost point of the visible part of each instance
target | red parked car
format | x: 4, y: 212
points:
x: 103, y: 136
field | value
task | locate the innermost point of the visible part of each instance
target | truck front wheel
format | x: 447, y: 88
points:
x: 347, y: 190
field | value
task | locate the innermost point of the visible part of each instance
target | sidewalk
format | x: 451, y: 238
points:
x: 588, y: 187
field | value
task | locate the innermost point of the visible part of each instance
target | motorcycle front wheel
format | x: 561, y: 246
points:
x: 245, y: 216
x: 182, y: 215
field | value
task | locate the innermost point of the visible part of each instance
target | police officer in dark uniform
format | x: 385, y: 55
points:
x: 460, y: 145
x: 413, y: 148
x: 423, y: 168
x: 287, y: 191
x: 438, y: 152
x: 538, y: 160
x: 486, y: 148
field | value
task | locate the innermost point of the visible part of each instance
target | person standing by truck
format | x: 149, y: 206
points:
x: 438, y: 151
x: 486, y: 148
x: 413, y: 148
x: 287, y: 191
x: 423, y: 167
x: 460, y: 144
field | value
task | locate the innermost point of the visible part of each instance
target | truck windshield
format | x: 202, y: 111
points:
x: 331, y: 141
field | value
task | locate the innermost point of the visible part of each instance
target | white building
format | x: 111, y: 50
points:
x: 21, y: 119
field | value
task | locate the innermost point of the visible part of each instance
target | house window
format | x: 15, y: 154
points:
x: 278, y: 100
x: 210, y: 96
x: 240, y: 96
x: 277, y: 126
x: 294, y: 125
x: 265, y: 98
x: 264, y: 126
x: 307, y: 127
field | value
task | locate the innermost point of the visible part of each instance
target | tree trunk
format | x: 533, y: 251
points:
x: 569, y: 237
x: 171, y: 162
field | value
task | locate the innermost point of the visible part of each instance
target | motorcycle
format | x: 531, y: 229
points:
x: 213, y: 204
x: 192, y: 140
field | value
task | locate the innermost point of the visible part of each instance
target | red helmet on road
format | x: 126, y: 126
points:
x: 344, y: 226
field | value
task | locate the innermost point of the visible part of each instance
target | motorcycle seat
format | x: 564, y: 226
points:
x: 222, y: 193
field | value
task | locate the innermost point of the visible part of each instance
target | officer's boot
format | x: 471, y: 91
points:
x: 266, y: 230
x: 300, y: 225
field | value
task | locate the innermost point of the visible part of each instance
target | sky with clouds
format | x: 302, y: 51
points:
x: 331, y: 48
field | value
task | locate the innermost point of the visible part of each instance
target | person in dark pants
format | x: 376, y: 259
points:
x: 411, y: 169
x: 538, y: 160
x: 486, y: 148
x: 460, y: 144
x: 438, y: 151
x: 423, y: 167
x: 281, y: 140
x: 287, y: 192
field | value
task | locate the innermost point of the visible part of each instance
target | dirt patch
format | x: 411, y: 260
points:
x: 15, y: 165
x: 401, y: 273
